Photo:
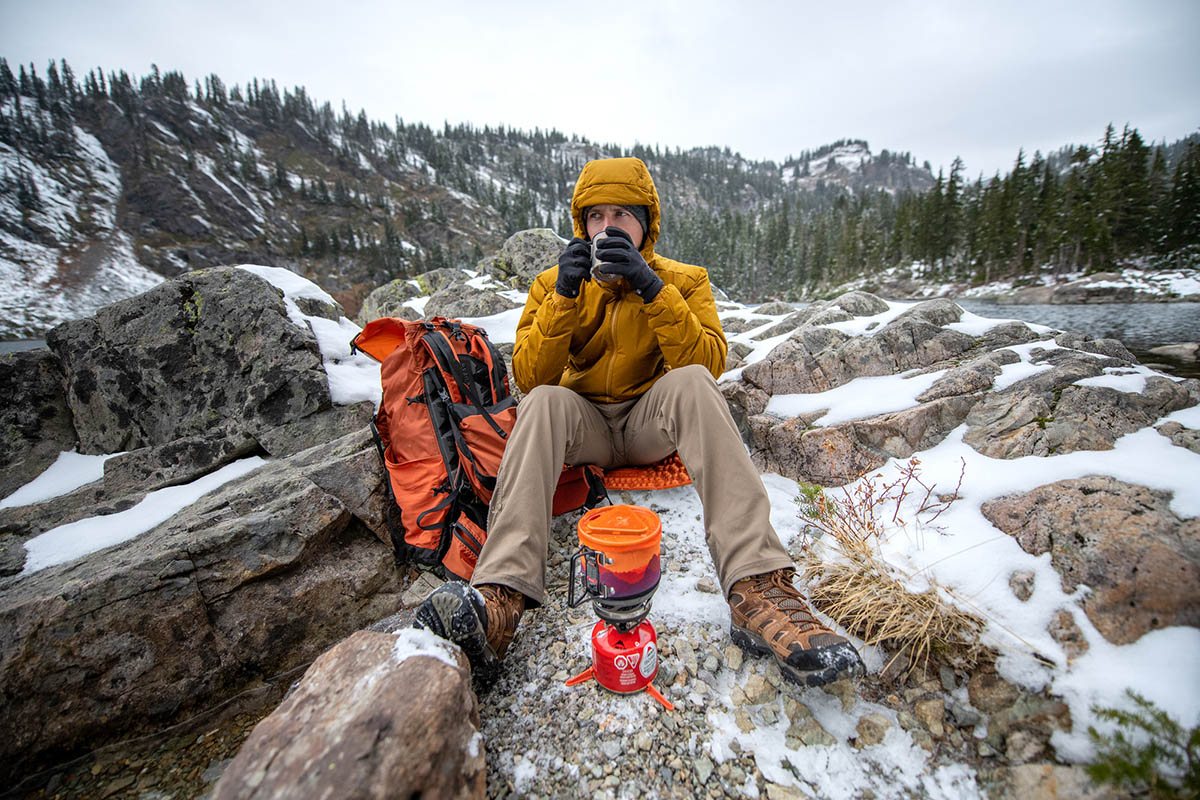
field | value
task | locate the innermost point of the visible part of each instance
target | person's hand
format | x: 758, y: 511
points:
x: 620, y: 257
x: 574, y: 267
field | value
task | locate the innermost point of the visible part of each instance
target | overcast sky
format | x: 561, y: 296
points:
x: 767, y: 79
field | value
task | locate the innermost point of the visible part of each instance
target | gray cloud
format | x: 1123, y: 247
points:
x: 767, y: 79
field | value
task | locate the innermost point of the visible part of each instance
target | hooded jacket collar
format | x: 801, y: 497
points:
x: 622, y: 182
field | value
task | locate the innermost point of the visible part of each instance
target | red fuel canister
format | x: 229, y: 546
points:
x: 624, y: 662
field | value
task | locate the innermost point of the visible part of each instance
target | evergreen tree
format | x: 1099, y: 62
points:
x: 1184, y: 204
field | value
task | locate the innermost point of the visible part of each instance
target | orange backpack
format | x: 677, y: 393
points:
x: 441, y: 428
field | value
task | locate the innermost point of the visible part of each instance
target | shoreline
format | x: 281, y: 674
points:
x: 1129, y: 285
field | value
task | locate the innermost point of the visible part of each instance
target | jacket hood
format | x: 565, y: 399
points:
x: 622, y: 182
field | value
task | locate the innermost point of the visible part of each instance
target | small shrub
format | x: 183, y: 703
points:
x: 865, y: 594
x: 1149, y: 751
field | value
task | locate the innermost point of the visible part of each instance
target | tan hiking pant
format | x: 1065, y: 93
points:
x: 682, y: 411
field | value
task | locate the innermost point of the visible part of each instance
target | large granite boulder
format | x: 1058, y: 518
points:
x: 253, y: 579
x: 1050, y: 414
x: 524, y: 255
x: 378, y: 716
x: 1141, y: 562
x: 817, y: 358
x: 467, y: 300
x: 213, y: 350
x: 35, y: 421
x: 390, y: 300
x: 1046, y: 413
x: 256, y: 578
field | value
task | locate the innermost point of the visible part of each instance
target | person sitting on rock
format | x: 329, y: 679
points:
x: 621, y: 369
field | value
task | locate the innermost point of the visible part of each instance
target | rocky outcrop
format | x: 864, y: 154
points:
x: 352, y: 727
x: 523, y: 256
x: 389, y: 300
x: 1046, y: 413
x: 211, y: 351
x: 466, y: 300
x: 1141, y: 562
x: 254, y: 579
x: 35, y: 421
x: 816, y: 358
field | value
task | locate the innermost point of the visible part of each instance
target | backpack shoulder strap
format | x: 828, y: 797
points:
x: 447, y: 359
x: 499, y: 373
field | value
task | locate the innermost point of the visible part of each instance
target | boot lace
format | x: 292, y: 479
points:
x: 776, y: 588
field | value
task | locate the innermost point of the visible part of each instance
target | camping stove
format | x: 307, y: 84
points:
x: 617, y: 567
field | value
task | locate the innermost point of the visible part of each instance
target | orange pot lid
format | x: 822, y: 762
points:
x: 612, y: 529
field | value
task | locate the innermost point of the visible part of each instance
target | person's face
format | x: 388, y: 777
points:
x: 608, y: 215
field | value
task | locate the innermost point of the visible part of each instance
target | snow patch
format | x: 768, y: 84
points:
x: 68, y: 472
x: 353, y: 377
x: 412, y: 642
x: 860, y: 398
x: 76, y: 539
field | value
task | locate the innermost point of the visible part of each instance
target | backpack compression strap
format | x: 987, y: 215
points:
x: 439, y: 345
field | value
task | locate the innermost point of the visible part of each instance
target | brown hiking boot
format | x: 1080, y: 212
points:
x: 504, y: 609
x: 769, y: 617
x: 480, y: 620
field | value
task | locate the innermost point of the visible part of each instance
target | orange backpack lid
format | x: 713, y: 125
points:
x: 380, y: 337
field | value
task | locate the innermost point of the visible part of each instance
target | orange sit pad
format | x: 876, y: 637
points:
x: 665, y: 474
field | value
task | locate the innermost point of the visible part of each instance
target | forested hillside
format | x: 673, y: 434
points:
x: 1083, y: 208
x: 159, y: 173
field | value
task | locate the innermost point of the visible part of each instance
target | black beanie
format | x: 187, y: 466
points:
x: 642, y: 215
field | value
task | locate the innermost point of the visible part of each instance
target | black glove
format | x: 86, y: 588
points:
x: 574, y: 267
x: 620, y: 257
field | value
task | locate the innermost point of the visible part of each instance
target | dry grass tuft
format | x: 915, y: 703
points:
x: 868, y: 596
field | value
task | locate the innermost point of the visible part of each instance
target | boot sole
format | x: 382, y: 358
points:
x: 844, y: 663
x: 453, y: 612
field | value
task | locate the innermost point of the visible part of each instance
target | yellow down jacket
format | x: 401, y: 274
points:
x: 606, y: 344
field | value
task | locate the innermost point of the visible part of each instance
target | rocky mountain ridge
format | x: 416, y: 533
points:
x: 110, y: 184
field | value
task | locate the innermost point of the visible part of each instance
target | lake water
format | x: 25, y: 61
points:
x: 21, y: 344
x: 1140, y: 326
